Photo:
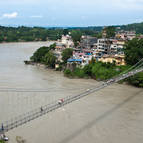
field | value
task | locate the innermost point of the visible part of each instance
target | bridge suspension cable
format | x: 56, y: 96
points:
x: 35, y: 90
x: 140, y: 62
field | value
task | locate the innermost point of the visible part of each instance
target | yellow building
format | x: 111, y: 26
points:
x: 118, y: 59
x: 120, y: 42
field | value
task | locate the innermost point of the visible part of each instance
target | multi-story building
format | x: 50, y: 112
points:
x: 117, y: 47
x: 103, y: 46
x: 125, y: 35
x: 87, y: 42
x: 117, y: 59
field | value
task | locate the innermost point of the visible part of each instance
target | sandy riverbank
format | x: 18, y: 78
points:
x: 112, y: 115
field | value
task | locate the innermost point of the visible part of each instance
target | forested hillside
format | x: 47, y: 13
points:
x: 138, y: 27
x: 14, y: 34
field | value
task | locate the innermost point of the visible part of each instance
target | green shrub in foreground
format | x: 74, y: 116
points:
x: 136, y: 80
x: 1, y: 141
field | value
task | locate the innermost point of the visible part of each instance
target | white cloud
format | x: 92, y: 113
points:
x: 10, y: 15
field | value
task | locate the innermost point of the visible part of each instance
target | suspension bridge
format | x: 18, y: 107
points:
x: 43, y: 109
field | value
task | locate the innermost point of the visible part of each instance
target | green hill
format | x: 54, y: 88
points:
x: 138, y: 27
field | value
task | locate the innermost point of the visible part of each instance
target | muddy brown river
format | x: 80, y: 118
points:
x: 112, y: 115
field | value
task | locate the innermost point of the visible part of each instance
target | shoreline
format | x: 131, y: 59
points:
x: 25, y: 42
x: 86, y: 78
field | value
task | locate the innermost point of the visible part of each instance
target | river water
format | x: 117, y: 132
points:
x: 112, y: 115
x: 15, y: 74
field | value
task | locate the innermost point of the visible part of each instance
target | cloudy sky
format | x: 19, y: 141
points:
x: 70, y: 12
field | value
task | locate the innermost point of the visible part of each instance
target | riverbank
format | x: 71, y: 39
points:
x: 21, y: 42
x: 103, y: 70
x: 99, y: 71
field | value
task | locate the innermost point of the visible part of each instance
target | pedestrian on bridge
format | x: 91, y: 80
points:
x: 41, y: 109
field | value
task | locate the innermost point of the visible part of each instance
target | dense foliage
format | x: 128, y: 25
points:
x: 133, y: 51
x: 96, y: 70
x: 133, y: 54
x: 15, y: 34
x: 110, y: 31
x: 136, y: 80
x: 138, y: 27
x: 76, y: 36
x: 49, y: 59
x: 45, y: 55
x: 39, y: 54
x: 66, y: 54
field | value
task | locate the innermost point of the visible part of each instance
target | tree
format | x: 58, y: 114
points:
x: 136, y: 80
x: 76, y: 36
x: 133, y: 51
x: 110, y: 31
x: 39, y: 54
x: 65, y: 31
x: 66, y: 54
x: 133, y: 54
x: 52, y: 47
x: 50, y: 59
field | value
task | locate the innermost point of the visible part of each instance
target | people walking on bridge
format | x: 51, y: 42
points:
x: 41, y: 109
x: 2, y: 128
x: 61, y: 101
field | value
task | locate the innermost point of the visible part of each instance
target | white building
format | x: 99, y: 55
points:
x: 67, y: 41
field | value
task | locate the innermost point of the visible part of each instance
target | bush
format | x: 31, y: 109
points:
x: 88, y: 69
x: 79, y: 73
x: 133, y: 51
x: 97, y: 70
x: 66, y: 54
x: 1, y: 141
x: 133, y: 54
x: 67, y: 73
x: 39, y: 54
x: 136, y: 80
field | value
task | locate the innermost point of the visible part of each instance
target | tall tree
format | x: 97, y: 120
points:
x: 133, y: 54
x: 65, y: 31
x: 39, y: 54
x: 76, y: 36
x: 50, y: 59
x: 66, y: 54
x: 110, y: 31
x: 133, y: 51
